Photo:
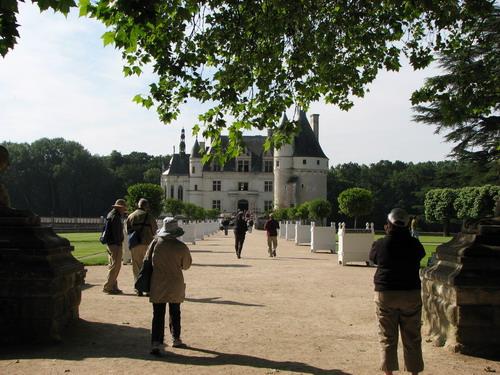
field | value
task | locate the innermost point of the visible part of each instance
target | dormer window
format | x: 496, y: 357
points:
x: 243, y: 165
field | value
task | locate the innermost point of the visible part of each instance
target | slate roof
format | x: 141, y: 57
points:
x: 179, y: 165
x: 305, y: 142
x: 254, y: 144
x: 196, y: 151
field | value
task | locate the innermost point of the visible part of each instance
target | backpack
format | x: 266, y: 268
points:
x: 106, y: 232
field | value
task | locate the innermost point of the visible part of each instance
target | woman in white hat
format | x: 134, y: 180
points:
x: 170, y: 256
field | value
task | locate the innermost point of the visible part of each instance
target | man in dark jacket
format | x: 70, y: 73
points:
x: 240, y: 230
x: 271, y: 227
x: 397, y: 293
x: 114, y: 244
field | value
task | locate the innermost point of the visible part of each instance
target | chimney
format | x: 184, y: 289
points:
x: 315, y: 125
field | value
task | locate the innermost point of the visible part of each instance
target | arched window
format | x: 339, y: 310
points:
x: 171, y: 191
x: 180, y: 193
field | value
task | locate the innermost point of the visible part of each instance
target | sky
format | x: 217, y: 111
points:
x: 60, y: 81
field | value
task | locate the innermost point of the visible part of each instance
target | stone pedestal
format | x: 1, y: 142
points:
x: 40, y: 282
x: 461, y: 292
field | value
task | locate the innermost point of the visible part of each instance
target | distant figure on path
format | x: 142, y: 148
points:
x: 240, y: 230
x: 126, y: 256
x: 170, y: 256
x: 144, y: 223
x: 250, y: 224
x: 397, y: 293
x: 414, y: 227
x: 225, y: 225
x: 114, y: 246
x: 271, y: 227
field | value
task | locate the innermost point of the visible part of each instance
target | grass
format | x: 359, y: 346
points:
x: 88, y: 249
x: 91, y: 252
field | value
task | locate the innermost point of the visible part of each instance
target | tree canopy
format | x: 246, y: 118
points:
x: 355, y: 202
x: 464, y: 102
x: 249, y: 61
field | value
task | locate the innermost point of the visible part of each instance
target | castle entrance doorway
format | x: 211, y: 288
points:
x: 242, y: 205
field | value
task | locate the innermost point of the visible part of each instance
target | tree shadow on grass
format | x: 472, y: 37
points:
x: 85, y: 339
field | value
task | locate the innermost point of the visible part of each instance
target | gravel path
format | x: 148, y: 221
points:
x: 299, y: 313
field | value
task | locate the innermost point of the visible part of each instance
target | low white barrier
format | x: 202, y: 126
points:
x: 323, y: 238
x: 355, y: 244
x: 290, y: 231
x: 282, y: 230
x: 189, y: 232
x: 302, y: 234
x: 198, y: 233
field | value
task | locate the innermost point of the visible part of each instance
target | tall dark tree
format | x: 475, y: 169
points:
x: 464, y: 103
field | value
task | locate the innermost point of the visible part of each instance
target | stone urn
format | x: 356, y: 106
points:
x: 461, y: 292
x: 40, y: 280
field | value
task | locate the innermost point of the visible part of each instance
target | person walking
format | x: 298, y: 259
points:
x: 142, y: 222
x: 397, y: 293
x: 114, y: 246
x: 240, y: 230
x: 271, y: 227
x: 225, y: 225
x: 250, y: 224
x: 170, y: 257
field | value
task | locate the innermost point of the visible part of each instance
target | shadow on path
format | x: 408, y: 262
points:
x: 217, y: 300
x: 85, y: 339
x: 221, y: 265
x: 224, y: 359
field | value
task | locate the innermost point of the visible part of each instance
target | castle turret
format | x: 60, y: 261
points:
x: 301, y: 167
x: 283, y: 169
x: 196, y: 175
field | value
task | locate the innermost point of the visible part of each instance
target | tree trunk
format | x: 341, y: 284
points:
x: 355, y: 222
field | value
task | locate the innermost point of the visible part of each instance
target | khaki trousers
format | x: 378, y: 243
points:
x: 138, y: 254
x: 114, y: 265
x: 272, y: 244
x: 400, y: 310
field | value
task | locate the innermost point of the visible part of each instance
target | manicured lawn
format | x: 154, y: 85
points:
x: 91, y: 252
x: 88, y: 249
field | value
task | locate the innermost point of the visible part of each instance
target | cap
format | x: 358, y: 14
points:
x: 398, y: 217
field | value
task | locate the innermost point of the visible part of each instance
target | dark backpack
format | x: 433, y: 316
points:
x: 106, y: 232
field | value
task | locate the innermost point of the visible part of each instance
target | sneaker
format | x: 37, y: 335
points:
x: 155, y: 352
x: 177, y: 343
x: 155, y: 349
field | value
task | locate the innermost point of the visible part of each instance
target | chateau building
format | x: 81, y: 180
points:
x: 256, y: 180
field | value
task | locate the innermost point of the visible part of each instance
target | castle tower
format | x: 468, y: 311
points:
x: 301, y: 167
x: 196, y: 175
x: 283, y: 170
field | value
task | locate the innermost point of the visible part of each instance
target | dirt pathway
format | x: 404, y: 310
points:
x: 300, y: 313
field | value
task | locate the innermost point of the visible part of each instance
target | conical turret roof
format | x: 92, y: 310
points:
x: 196, y: 151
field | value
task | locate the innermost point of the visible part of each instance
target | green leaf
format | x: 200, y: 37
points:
x: 108, y: 37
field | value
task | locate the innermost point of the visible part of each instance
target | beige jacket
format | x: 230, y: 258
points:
x: 134, y: 222
x: 170, y: 257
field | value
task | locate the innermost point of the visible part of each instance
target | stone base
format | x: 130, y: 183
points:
x: 461, y: 294
x: 40, y: 284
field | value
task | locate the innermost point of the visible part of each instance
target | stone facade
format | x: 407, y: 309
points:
x: 256, y: 181
x: 461, y: 292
